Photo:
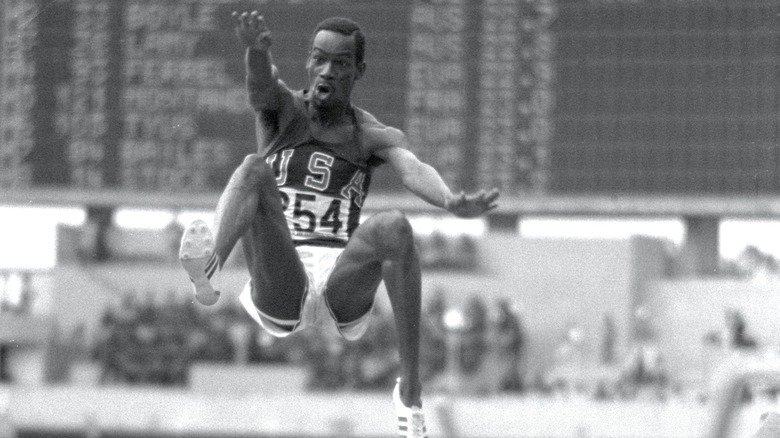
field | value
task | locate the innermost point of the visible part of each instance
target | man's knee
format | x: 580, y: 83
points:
x: 394, y: 233
x: 255, y: 172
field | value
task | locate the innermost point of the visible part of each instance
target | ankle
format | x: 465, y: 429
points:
x: 410, y: 391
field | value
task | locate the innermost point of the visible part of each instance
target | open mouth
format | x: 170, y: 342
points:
x: 323, y: 90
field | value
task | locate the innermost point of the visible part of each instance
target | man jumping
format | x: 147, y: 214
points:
x: 296, y: 204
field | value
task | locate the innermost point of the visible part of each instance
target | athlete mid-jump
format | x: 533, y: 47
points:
x: 296, y: 204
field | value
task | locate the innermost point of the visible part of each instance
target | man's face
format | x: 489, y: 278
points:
x: 332, y: 68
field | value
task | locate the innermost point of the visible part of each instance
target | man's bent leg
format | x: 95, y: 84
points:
x: 383, y: 248
x: 203, y: 251
x: 250, y: 208
x: 237, y: 206
x: 278, y: 278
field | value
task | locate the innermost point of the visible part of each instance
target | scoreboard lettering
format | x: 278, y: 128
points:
x: 149, y: 95
x: 530, y: 96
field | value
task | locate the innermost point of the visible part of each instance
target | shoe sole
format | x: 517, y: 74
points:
x: 195, y: 255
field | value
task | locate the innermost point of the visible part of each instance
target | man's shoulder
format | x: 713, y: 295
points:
x: 365, y: 118
x: 376, y: 131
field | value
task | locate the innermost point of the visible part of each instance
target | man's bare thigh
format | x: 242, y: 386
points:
x: 278, y: 277
x: 353, y: 283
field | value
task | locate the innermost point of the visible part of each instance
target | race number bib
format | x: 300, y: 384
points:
x: 318, y: 217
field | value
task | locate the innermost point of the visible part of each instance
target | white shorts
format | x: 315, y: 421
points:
x: 315, y: 312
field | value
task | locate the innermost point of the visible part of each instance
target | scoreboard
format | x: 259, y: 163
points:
x: 148, y: 95
x: 674, y: 97
x: 531, y: 96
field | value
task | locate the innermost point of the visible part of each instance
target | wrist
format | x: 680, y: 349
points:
x: 258, y: 48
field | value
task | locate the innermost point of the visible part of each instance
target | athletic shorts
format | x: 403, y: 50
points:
x: 315, y: 312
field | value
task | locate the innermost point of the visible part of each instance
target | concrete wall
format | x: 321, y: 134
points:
x: 685, y: 311
x: 558, y: 283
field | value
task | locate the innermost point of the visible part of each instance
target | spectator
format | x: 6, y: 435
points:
x: 569, y: 361
x: 509, y: 343
x: 433, y: 351
x: 643, y: 370
x: 5, y: 375
x: 474, y: 344
x: 607, y: 355
x: 738, y: 338
x: 499, y: 366
x: 733, y: 335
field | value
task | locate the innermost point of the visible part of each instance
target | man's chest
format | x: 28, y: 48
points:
x: 316, y: 167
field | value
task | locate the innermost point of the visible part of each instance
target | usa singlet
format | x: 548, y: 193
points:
x: 323, y: 185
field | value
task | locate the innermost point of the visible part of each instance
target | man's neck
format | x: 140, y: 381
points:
x: 329, y: 117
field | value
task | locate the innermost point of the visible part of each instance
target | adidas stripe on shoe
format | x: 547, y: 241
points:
x: 198, y: 258
x: 411, y: 421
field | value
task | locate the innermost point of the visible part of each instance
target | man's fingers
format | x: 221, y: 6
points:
x: 491, y: 199
x: 487, y: 197
x: 257, y: 20
x: 483, y: 197
x: 474, y: 204
x: 491, y: 196
x: 481, y: 201
x: 251, y: 28
x: 239, y: 19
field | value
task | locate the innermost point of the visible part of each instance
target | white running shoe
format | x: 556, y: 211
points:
x: 411, y: 421
x: 198, y: 258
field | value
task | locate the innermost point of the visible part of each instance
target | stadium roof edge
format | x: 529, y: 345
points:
x: 758, y: 206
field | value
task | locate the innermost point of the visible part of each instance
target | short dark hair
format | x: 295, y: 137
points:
x: 345, y: 26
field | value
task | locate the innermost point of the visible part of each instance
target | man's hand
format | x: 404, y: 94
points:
x: 252, y: 30
x: 472, y: 205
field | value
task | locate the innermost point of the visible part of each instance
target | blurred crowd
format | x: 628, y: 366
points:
x: 475, y: 348
x: 142, y: 340
x: 145, y: 341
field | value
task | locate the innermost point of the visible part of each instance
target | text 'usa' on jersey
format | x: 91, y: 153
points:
x: 322, y: 193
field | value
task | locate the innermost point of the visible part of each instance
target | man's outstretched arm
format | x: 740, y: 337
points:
x: 425, y: 182
x: 262, y: 77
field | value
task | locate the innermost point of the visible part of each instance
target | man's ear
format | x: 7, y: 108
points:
x: 361, y: 69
